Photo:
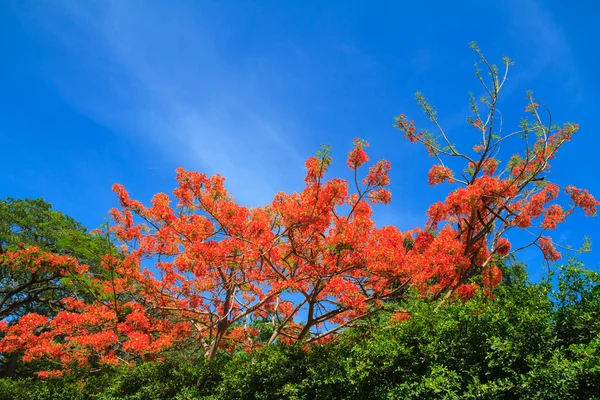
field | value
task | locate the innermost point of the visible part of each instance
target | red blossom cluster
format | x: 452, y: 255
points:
x: 439, y: 174
x: 583, y: 199
x: 34, y: 260
x: 357, y: 157
x: 467, y: 291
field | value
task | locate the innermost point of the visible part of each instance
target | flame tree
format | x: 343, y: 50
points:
x: 310, y: 263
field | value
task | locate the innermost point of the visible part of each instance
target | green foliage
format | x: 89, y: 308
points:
x: 168, y: 380
x: 577, y: 300
x: 31, y: 389
x: 33, y: 222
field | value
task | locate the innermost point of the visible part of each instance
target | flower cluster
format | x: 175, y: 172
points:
x: 438, y: 174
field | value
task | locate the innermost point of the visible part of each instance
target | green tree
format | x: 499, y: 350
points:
x: 26, y: 223
x: 577, y: 299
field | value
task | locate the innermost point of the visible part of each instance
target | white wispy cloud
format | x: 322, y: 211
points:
x: 164, y: 75
x: 541, y: 34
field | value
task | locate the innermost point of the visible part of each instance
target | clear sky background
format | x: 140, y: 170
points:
x: 100, y: 92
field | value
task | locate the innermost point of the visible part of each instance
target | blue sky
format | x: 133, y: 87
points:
x: 96, y: 93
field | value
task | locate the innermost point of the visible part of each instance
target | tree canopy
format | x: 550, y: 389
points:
x: 198, y: 273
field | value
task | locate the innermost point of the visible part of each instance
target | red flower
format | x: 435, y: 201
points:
x: 502, y: 247
x: 548, y: 250
x: 438, y: 174
x: 357, y: 157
